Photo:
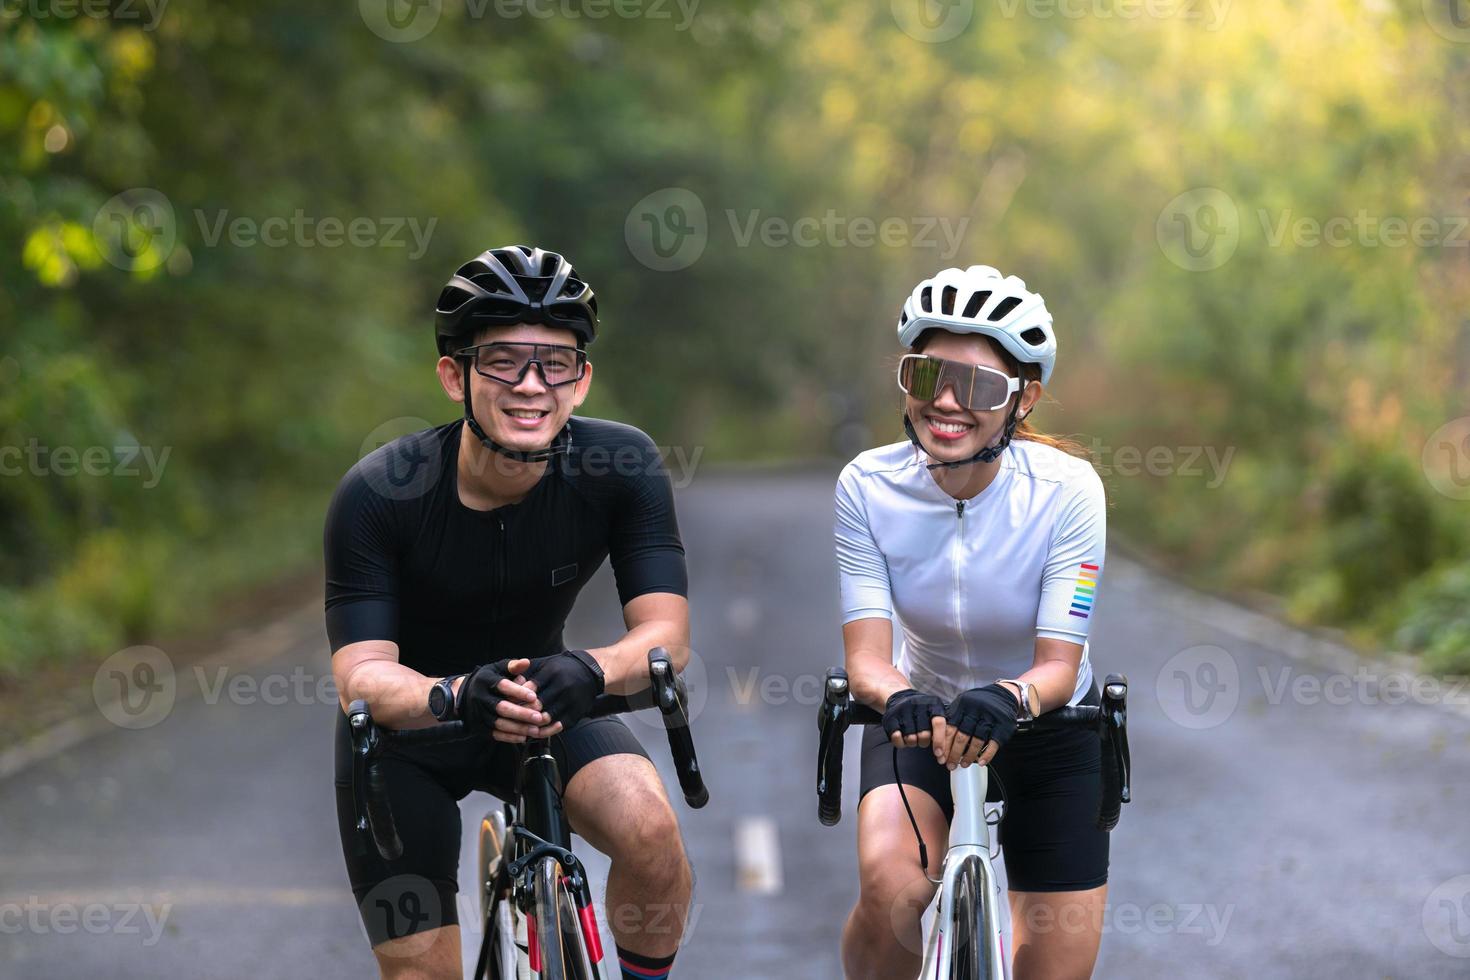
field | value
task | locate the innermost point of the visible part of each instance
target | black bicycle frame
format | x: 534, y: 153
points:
x: 540, y: 828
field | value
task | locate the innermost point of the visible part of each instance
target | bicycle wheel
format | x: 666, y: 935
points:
x: 969, y: 958
x: 502, y: 921
x: 503, y: 958
x: 551, y: 937
x: 579, y: 957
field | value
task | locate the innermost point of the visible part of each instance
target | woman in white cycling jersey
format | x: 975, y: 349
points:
x: 985, y: 539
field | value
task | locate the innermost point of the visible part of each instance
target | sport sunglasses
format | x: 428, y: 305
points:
x: 507, y: 362
x: 976, y: 387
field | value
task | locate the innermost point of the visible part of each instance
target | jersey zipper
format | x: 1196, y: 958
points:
x: 959, y: 596
x: 500, y: 569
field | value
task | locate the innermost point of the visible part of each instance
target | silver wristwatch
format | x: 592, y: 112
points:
x: 1027, y: 711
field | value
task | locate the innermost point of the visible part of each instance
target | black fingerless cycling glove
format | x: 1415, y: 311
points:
x: 478, y: 696
x: 567, y: 684
x: 987, y: 713
x: 910, y: 712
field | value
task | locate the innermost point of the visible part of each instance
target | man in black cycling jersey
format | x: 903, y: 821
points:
x: 453, y: 556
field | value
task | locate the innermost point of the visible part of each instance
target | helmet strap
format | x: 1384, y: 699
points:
x: 987, y: 455
x: 560, y: 446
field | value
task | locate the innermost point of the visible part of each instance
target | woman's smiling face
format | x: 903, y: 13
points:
x: 949, y: 431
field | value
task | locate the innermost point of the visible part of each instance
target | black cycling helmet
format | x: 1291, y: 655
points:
x: 515, y: 284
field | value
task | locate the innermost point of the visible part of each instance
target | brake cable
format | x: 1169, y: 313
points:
x: 919, y: 836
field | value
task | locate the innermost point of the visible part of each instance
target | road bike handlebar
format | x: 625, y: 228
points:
x: 666, y: 691
x: 838, y: 711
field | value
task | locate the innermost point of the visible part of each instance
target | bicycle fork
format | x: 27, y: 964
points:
x: 968, y: 938
x: 545, y: 835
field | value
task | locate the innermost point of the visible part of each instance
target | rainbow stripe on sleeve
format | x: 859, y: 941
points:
x: 1086, y: 589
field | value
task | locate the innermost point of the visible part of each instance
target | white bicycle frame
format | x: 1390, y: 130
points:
x: 969, y: 852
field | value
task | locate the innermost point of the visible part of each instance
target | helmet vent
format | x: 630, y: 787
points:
x: 1034, y: 336
x: 500, y: 307
x: 946, y: 300
x: 451, y: 299
x: 1004, y: 306
x: 926, y: 299
x: 972, y: 308
x: 490, y: 282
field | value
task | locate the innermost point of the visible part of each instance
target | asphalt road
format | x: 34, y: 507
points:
x: 1290, y: 819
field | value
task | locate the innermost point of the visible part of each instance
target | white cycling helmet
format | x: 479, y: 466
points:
x: 980, y: 300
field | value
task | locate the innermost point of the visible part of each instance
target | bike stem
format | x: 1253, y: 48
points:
x: 540, y: 795
x: 969, y: 786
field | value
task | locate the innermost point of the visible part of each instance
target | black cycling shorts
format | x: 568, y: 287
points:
x: 1053, y: 783
x: 418, y: 891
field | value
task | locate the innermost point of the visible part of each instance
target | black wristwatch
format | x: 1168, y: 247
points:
x: 441, y: 698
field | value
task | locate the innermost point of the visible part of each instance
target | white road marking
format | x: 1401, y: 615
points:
x: 757, y: 856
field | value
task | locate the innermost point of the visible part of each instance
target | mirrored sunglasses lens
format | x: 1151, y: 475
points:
x: 990, y: 392
x: 920, y: 377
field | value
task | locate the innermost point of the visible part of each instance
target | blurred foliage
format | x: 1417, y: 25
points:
x: 1054, y: 143
x: 1435, y: 619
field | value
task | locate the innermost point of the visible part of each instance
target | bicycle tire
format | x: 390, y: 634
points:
x: 504, y: 960
x: 550, y: 936
x: 969, y: 957
x: 502, y: 957
x: 578, y: 957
